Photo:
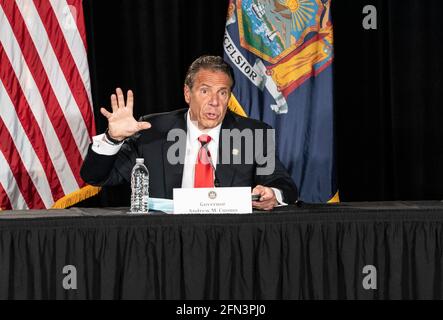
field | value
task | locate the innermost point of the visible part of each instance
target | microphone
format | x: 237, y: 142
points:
x: 216, y: 181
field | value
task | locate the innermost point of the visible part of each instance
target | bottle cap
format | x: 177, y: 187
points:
x: 139, y: 160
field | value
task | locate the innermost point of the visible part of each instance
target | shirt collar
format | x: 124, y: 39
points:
x: 194, y: 132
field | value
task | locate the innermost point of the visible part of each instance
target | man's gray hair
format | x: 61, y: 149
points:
x: 213, y: 63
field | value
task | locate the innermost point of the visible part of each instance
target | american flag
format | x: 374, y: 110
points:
x: 46, y: 115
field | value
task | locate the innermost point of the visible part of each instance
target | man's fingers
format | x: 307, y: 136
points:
x: 130, y: 99
x: 106, y: 113
x: 120, y: 98
x: 143, y: 125
x: 263, y: 192
x: 267, y: 198
x: 259, y: 189
x: 114, y: 104
x: 268, y: 205
x: 267, y: 195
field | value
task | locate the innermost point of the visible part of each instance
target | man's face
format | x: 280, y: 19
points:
x: 208, y: 98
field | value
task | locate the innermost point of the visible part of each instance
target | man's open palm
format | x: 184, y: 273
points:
x: 121, y: 122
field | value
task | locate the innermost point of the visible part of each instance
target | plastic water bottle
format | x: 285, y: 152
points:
x: 139, y: 187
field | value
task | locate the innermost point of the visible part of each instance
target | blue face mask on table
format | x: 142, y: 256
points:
x: 160, y: 204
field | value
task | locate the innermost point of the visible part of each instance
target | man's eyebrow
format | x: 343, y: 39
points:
x: 209, y: 86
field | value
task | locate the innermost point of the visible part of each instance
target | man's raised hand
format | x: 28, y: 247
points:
x: 121, y: 122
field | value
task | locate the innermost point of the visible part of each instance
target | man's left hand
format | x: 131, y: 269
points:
x: 267, y: 198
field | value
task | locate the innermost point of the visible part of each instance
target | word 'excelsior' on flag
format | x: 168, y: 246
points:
x: 46, y: 115
x: 281, y: 52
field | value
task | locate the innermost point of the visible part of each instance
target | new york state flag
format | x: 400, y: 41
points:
x: 281, y: 52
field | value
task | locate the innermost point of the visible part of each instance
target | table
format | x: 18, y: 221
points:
x: 385, y: 250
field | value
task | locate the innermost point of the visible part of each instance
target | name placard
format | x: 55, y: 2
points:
x: 233, y: 200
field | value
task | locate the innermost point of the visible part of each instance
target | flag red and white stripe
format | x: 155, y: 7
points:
x: 46, y: 115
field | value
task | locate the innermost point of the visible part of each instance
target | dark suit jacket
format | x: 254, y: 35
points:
x: 152, y: 145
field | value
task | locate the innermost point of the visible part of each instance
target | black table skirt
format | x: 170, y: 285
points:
x: 307, y: 252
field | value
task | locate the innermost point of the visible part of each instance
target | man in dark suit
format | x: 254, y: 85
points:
x: 191, y: 147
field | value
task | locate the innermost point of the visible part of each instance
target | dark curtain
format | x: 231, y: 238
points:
x: 388, y: 83
x: 388, y: 100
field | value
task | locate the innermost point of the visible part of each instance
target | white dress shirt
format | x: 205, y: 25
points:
x: 192, y: 148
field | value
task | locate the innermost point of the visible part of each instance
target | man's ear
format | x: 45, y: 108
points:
x: 187, y: 93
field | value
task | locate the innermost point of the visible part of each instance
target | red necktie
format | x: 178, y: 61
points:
x: 204, y: 173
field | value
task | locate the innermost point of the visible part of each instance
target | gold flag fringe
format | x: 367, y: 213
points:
x: 335, y: 198
x: 76, y: 196
x: 235, y: 106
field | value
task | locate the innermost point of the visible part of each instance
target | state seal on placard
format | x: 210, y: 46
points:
x: 212, y: 195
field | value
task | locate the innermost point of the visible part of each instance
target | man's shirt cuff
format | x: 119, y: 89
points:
x: 100, y: 145
x: 279, y: 197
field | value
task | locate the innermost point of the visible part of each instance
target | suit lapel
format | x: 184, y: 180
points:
x: 174, y: 172
x: 225, y: 171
